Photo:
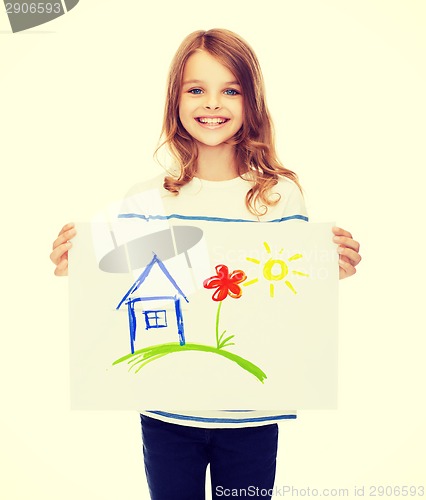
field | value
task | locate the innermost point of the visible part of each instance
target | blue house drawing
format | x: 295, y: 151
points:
x: 153, y: 309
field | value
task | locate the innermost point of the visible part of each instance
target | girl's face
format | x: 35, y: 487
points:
x: 211, y: 105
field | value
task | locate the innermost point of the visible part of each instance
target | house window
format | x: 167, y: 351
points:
x: 155, y: 319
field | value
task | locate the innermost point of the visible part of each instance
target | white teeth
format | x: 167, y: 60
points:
x: 213, y: 121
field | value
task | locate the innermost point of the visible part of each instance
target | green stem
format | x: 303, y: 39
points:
x: 217, y: 324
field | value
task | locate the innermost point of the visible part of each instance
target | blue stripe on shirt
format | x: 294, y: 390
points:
x: 205, y: 218
x: 222, y: 420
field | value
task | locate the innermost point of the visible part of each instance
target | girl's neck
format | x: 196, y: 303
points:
x: 216, y: 163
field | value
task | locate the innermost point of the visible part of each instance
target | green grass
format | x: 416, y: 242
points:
x: 142, y: 357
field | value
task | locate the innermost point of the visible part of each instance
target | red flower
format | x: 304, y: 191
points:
x: 226, y: 284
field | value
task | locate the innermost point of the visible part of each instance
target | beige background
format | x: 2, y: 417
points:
x: 81, y: 110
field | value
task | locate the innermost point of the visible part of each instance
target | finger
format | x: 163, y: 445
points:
x: 338, y: 231
x: 64, y: 237
x: 346, y: 267
x: 347, y: 242
x: 59, y: 252
x: 62, y: 268
x: 353, y: 256
x: 70, y: 225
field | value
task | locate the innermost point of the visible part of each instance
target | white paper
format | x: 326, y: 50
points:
x: 284, y: 324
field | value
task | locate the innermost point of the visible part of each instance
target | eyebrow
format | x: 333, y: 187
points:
x: 234, y: 82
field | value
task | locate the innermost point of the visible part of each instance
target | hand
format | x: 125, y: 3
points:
x: 348, y: 250
x: 61, y: 245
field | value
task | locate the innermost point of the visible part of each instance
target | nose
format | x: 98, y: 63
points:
x: 212, y: 102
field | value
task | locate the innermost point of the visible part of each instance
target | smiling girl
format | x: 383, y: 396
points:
x: 218, y: 129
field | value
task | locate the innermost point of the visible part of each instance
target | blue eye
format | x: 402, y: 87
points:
x: 195, y: 91
x: 231, y: 92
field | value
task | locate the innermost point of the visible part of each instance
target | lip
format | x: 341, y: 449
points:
x: 224, y: 119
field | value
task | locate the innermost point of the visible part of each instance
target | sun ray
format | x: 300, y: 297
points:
x: 252, y: 282
x: 275, y: 270
x: 290, y: 286
x: 298, y: 273
x: 267, y: 247
x: 251, y: 259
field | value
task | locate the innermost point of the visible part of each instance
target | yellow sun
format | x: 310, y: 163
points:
x: 276, y: 270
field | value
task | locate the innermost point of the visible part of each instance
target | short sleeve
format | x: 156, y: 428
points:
x: 292, y: 201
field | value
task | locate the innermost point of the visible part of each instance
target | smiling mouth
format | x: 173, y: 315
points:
x: 204, y: 120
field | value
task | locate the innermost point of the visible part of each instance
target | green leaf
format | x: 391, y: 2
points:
x: 225, y: 341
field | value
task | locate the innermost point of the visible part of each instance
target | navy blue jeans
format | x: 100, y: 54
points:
x: 242, y: 461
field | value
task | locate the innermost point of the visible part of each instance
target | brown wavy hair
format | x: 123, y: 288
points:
x: 254, y: 143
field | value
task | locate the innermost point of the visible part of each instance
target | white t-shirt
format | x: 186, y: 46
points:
x: 222, y: 200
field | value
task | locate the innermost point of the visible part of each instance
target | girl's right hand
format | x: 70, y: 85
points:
x: 61, y: 245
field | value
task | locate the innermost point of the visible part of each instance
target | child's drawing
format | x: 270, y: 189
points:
x: 276, y: 270
x: 155, y: 315
x: 225, y: 284
x: 241, y: 316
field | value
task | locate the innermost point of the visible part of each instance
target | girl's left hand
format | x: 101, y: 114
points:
x: 348, y: 250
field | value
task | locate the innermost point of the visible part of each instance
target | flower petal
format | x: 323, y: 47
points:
x: 226, y: 284
x: 212, y: 282
x: 220, y: 294
x: 238, y: 276
x: 234, y: 291
x: 222, y: 271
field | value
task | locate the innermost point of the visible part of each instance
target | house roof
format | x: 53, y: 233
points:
x: 143, y: 276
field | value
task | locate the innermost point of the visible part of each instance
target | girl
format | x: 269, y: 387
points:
x: 219, y: 132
